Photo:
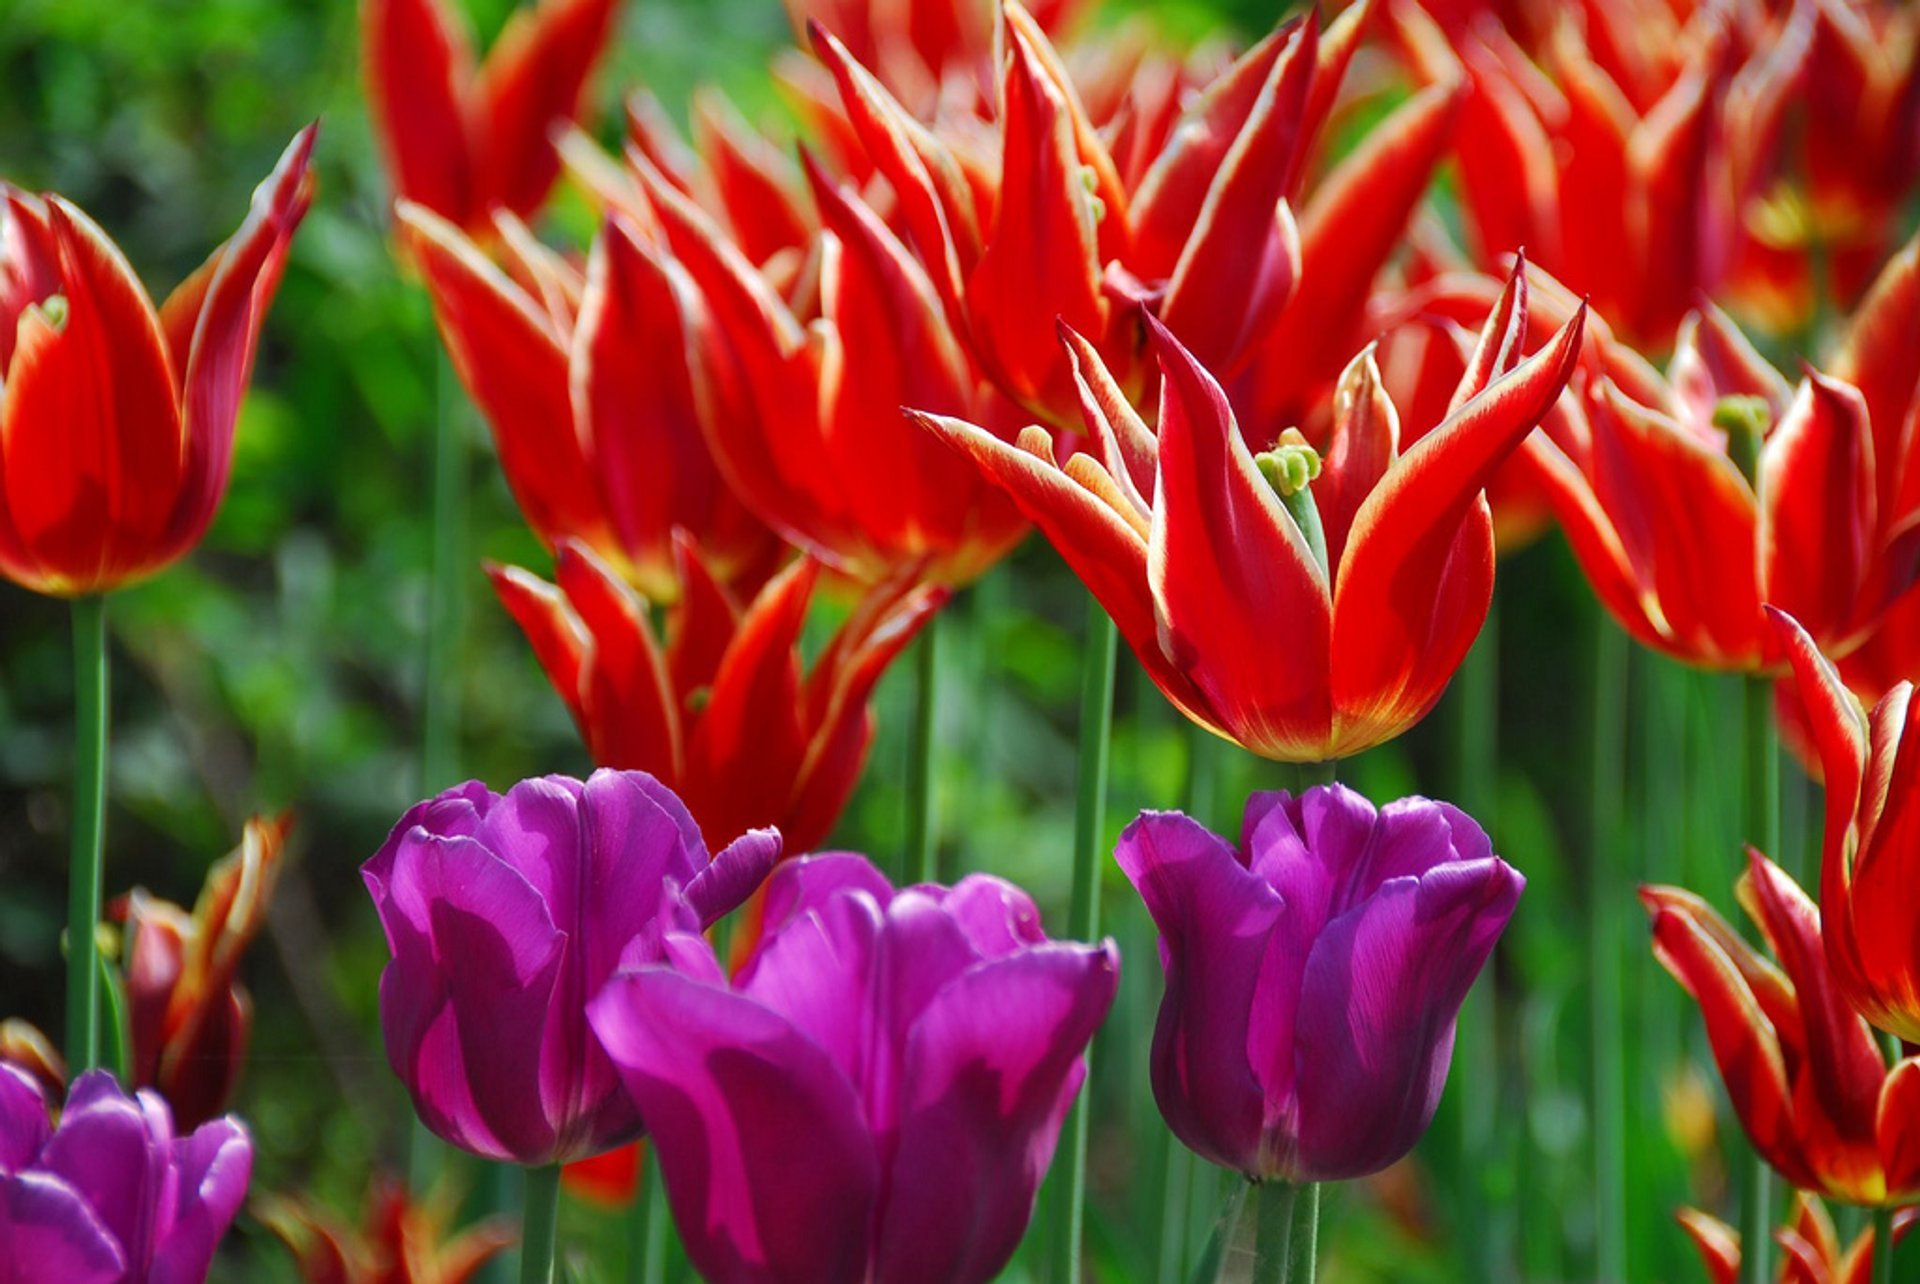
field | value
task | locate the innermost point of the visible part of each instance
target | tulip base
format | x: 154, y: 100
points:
x: 540, y: 1221
x: 1272, y: 1236
x: 85, y: 876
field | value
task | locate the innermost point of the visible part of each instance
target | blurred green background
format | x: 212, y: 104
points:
x: 279, y: 668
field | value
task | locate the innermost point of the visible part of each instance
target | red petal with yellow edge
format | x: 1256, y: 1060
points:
x: 1672, y: 155
x: 1688, y: 522
x: 534, y: 79
x: 1362, y: 446
x: 1041, y: 261
x: 1745, y: 1046
x: 1128, y: 448
x: 90, y: 435
x: 417, y: 61
x: 747, y: 742
x: 702, y: 623
x: 754, y: 181
x: 1399, y: 627
x: 1817, y: 521
x: 1100, y: 545
x: 1840, y: 736
x: 1874, y: 918
x: 635, y: 409
x: 633, y: 720
x: 515, y: 367
x: 1881, y: 357
x: 558, y: 638
x: 213, y: 325
x: 1718, y: 1243
x: 1899, y: 1131
x: 1232, y: 575
x: 1114, y: 230
x: 1357, y: 217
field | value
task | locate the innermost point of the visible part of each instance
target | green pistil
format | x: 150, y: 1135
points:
x: 1744, y: 420
x: 1290, y: 468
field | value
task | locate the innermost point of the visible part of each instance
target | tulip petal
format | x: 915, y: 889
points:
x: 1214, y: 919
x: 1898, y: 1130
x: 1817, y: 513
x: 23, y: 1117
x: 1241, y: 603
x: 1878, y: 359
x: 558, y: 638
x: 534, y: 79
x: 1379, y: 997
x: 628, y: 712
x: 738, y: 1102
x: 48, y: 1232
x: 214, y: 1166
x: 1717, y: 1242
x: 991, y: 1067
x: 418, y: 65
x: 734, y: 873
x: 105, y: 1146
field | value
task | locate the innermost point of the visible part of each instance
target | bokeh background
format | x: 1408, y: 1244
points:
x: 280, y: 668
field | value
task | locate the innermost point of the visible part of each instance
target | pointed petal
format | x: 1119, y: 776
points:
x: 417, y: 62
x: 630, y: 715
x: 1817, y: 517
x: 534, y: 79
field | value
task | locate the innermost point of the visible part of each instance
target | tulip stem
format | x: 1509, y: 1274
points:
x: 1083, y: 918
x: 1308, y: 774
x: 85, y: 875
x: 540, y: 1221
x: 1883, y: 1246
x: 1273, y: 1208
x: 1763, y: 831
x: 923, y: 839
x: 440, y: 707
x: 646, y: 1264
x: 1607, y: 883
x: 1303, y: 1237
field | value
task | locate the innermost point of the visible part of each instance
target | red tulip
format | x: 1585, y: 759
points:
x: 466, y: 141
x: 1037, y: 222
x: 803, y: 373
x: 24, y: 1047
x: 116, y: 426
x: 188, y: 1013
x: 1804, y: 1071
x: 1375, y: 567
x: 917, y: 48
x: 1812, y: 1253
x: 1869, y: 917
x: 1683, y: 544
x: 584, y: 379
x: 401, y: 1239
x: 723, y: 714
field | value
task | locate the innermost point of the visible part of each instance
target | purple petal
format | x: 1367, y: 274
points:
x: 1380, y: 995
x: 105, y: 1149
x: 818, y: 972
x: 213, y: 1166
x: 23, y: 1118
x: 768, y: 1165
x: 48, y: 1232
x: 453, y: 814
x: 1414, y: 835
x: 990, y: 1071
x: 808, y: 881
x: 435, y: 1072
x: 997, y: 917
x: 740, y: 867
x: 922, y: 950
x: 500, y: 956
x: 1214, y: 918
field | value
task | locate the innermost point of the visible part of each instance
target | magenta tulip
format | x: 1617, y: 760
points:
x: 505, y: 913
x: 878, y: 1093
x: 1314, y: 974
x: 111, y: 1196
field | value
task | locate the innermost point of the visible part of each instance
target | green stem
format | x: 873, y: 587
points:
x: 1608, y: 882
x: 539, y: 1224
x: 1762, y: 829
x: 440, y: 704
x: 1083, y: 920
x: 1308, y: 774
x: 1270, y: 1211
x: 1484, y: 1218
x: 1303, y: 1236
x: 923, y: 839
x: 85, y: 874
x: 646, y: 1263
x: 1883, y: 1246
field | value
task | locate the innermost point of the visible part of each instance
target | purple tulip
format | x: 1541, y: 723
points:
x: 1314, y: 975
x: 505, y: 913
x: 111, y: 1196
x: 878, y: 1094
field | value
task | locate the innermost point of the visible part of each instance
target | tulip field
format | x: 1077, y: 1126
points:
x: 938, y: 641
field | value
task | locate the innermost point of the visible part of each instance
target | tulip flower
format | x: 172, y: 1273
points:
x: 585, y: 383
x: 188, y: 1013
x: 878, y: 1092
x: 1692, y: 501
x: 1375, y: 566
x: 917, y: 48
x: 804, y: 394
x: 504, y: 912
x: 723, y: 714
x: 1811, y: 1246
x: 1805, y: 1073
x: 1041, y: 222
x: 1313, y: 974
x: 466, y: 141
x: 402, y: 1239
x: 111, y: 1195
x: 1642, y: 137
x: 1868, y: 916
x: 24, y: 1047
x: 116, y: 427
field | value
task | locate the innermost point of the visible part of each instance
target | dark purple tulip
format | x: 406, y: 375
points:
x: 505, y: 913
x: 878, y: 1094
x: 1314, y: 975
x: 111, y: 1196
